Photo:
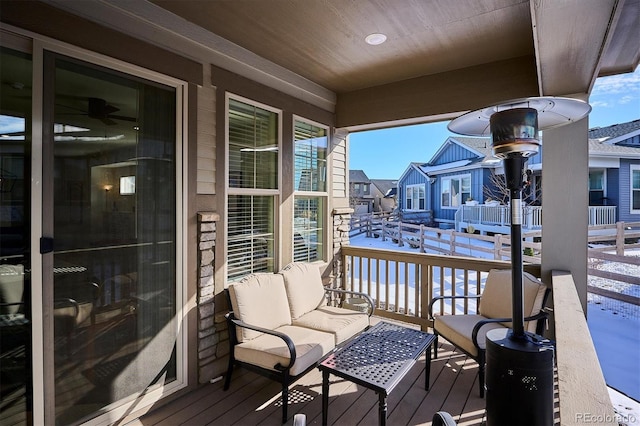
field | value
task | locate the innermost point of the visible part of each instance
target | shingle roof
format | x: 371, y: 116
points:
x: 384, y: 185
x: 597, y: 146
x: 614, y: 131
x: 482, y: 145
x: 358, y: 176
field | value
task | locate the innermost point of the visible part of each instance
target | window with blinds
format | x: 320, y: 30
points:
x: 310, y: 185
x: 253, y: 188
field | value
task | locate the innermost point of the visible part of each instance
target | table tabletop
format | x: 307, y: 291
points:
x: 379, y: 357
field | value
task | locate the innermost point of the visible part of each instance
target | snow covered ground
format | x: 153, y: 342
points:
x: 614, y: 327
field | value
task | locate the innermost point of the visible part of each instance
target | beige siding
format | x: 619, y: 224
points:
x: 339, y: 167
x: 206, y: 179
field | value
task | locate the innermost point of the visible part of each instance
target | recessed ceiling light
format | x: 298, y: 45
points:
x: 375, y: 39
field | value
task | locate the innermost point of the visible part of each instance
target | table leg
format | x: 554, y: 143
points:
x: 382, y: 409
x: 325, y: 397
x: 427, y: 369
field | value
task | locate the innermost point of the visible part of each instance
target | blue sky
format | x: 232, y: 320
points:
x: 385, y: 154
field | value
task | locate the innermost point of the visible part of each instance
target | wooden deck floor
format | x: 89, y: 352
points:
x: 253, y: 400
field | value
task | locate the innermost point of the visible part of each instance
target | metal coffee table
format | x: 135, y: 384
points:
x: 377, y: 359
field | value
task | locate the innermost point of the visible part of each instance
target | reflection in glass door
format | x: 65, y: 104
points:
x: 114, y: 228
x: 15, y: 218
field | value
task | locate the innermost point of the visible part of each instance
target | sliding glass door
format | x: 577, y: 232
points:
x: 91, y: 276
x: 112, y: 145
x: 15, y: 234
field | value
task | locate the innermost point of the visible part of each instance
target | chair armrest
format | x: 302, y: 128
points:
x: 476, y: 329
x: 437, y: 298
x: 482, y: 323
x: 365, y: 296
x: 287, y: 340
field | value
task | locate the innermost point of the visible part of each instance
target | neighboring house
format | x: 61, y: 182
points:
x: 614, y: 169
x: 457, y: 174
x: 384, y: 193
x: 360, y: 192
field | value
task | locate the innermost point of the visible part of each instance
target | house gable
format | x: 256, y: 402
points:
x: 461, y: 148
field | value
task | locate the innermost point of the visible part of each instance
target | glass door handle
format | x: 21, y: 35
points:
x: 46, y: 245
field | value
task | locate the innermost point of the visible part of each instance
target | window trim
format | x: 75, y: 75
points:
x: 603, y: 172
x: 275, y: 193
x: 450, y: 178
x: 633, y: 168
x: 323, y: 194
x: 406, y: 197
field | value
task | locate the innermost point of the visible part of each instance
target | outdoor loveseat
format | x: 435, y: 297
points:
x: 281, y: 325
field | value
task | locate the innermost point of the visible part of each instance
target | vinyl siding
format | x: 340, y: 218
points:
x: 624, y: 206
x: 453, y: 152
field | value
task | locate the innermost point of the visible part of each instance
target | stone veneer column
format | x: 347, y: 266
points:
x: 211, y: 329
x: 341, y: 226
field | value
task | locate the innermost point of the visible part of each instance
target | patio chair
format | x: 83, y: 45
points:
x: 468, y: 332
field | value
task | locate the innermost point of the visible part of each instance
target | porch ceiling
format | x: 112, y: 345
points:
x: 441, y: 58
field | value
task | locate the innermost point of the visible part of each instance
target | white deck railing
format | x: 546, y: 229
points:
x: 499, y: 216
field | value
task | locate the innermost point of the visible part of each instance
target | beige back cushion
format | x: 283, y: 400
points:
x: 11, y: 288
x: 305, y: 291
x: 260, y: 300
x: 496, y: 296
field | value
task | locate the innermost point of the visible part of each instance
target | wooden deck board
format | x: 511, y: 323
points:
x: 253, y: 399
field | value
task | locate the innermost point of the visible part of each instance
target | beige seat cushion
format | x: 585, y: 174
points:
x: 260, y: 300
x: 342, y: 323
x: 267, y: 351
x: 305, y: 291
x: 496, y: 296
x: 457, y: 329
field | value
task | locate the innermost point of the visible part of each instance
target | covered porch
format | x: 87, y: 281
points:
x: 294, y: 67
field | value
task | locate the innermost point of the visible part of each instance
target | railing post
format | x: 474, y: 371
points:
x: 452, y: 242
x: 384, y: 227
x: 620, y: 238
x: 400, y: 244
x: 421, y: 238
x: 497, y: 246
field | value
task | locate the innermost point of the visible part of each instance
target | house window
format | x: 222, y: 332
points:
x: 596, y: 188
x: 366, y: 189
x: 635, y: 189
x: 415, y: 199
x: 253, y: 146
x: 455, y: 191
x: 310, y: 185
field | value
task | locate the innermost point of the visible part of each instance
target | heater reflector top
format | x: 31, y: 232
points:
x: 552, y: 112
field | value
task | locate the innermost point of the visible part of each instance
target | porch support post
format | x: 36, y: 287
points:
x: 565, y: 160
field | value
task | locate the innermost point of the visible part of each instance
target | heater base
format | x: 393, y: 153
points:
x: 519, y: 379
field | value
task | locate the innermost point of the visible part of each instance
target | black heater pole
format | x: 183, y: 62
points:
x: 514, y: 172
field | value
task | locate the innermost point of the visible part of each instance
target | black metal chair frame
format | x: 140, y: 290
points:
x: 541, y: 317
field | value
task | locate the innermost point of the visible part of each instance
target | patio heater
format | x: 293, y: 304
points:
x: 519, y: 370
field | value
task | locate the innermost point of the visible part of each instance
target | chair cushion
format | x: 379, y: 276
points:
x: 457, y: 329
x: 260, y: 300
x: 11, y: 288
x: 342, y: 323
x: 267, y: 351
x: 496, y: 296
x: 305, y: 291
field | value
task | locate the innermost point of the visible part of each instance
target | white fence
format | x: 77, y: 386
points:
x: 496, y: 218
